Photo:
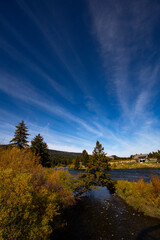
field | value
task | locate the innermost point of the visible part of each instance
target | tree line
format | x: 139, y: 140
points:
x: 155, y: 155
x: 47, y: 157
x: 32, y: 196
x: 95, y: 164
x: 38, y: 146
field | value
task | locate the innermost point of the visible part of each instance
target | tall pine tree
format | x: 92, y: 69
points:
x: 98, y: 164
x: 41, y: 149
x: 84, y: 157
x: 20, y: 136
x: 95, y: 173
x: 76, y: 162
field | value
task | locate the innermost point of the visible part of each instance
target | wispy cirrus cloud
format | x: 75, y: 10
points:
x: 75, y: 102
x: 54, y: 139
x: 55, y: 38
x: 18, y: 56
x: 88, y: 134
x: 124, y: 33
x: 27, y: 93
x: 60, y: 141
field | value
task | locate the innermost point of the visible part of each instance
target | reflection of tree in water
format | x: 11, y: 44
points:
x: 148, y: 233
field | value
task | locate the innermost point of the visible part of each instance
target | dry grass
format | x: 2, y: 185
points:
x: 130, y: 165
x: 144, y: 197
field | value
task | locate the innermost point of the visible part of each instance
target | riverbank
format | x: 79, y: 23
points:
x: 134, y: 165
x: 142, y: 196
x: 124, y: 165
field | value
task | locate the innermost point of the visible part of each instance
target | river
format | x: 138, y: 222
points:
x: 99, y: 215
x: 127, y: 174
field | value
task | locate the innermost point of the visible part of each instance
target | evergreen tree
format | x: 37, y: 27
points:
x: 20, y: 136
x: 95, y: 173
x: 85, y: 157
x: 158, y: 156
x: 76, y: 162
x: 98, y: 164
x: 41, y: 149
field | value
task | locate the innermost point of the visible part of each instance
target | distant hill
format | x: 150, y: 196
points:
x: 61, y: 157
x: 5, y: 146
x: 57, y: 157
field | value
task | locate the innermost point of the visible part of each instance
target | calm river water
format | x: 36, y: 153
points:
x: 127, y: 174
x: 100, y: 215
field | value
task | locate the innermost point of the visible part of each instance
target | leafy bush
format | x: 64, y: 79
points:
x: 142, y: 196
x: 30, y: 196
x: 156, y: 184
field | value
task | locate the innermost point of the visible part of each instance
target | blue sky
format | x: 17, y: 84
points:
x: 81, y: 71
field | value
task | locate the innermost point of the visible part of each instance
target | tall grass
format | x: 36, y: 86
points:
x: 30, y: 196
x: 144, y: 197
x: 135, y: 165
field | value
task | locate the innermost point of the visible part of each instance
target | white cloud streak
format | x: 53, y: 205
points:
x: 16, y: 55
x: 54, y: 39
x: 123, y: 30
x: 25, y: 92
x: 55, y: 139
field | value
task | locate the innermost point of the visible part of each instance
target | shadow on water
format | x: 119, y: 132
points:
x: 102, y: 216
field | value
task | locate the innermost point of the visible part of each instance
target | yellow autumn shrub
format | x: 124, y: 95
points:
x: 156, y: 184
x: 30, y: 196
x: 18, y: 160
x: 142, y: 196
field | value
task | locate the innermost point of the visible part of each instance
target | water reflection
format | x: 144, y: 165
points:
x: 127, y: 174
x: 134, y: 174
x: 99, y: 194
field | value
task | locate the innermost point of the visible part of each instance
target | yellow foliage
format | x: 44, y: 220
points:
x: 30, y: 196
x: 156, y: 184
x: 141, y: 195
x: 18, y: 160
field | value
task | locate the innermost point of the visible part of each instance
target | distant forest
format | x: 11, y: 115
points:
x: 62, y: 158
x: 57, y: 157
x: 66, y: 158
x: 155, y: 155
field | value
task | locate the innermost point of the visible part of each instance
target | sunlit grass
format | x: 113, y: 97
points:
x: 143, y: 196
x: 128, y: 165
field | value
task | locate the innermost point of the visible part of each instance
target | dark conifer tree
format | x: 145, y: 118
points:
x: 76, y: 162
x: 85, y: 157
x: 98, y: 164
x: 95, y: 173
x: 20, y: 136
x: 158, y: 156
x: 41, y: 149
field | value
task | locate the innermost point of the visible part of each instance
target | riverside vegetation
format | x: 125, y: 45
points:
x: 144, y: 197
x: 33, y: 196
x: 134, y: 165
